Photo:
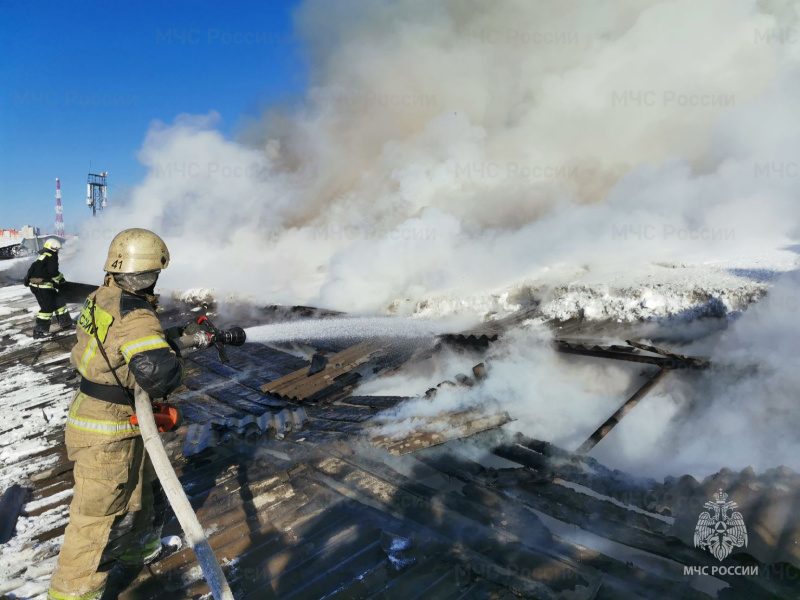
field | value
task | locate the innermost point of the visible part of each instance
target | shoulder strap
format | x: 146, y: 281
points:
x: 108, y: 362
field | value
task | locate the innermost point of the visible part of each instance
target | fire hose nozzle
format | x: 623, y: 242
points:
x: 205, y: 339
x: 208, y: 335
x: 235, y: 336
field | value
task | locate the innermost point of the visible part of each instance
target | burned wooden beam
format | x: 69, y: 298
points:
x: 700, y: 363
x: 665, y: 360
x: 598, y: 352
x: 614, y: 419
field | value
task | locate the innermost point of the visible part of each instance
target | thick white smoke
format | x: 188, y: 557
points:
x: 551, y: 397
x: 450, y: 147
x: 742, y: 412
x: 745, y: 411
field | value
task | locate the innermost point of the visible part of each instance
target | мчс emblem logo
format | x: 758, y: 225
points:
x: 716, y: 531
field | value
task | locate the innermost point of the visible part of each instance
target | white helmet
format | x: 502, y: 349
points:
x: 135, y: 251
x: 53, y: 244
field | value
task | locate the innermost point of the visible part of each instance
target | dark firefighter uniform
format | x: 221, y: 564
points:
x: 112, y: 516
x: 44, y: 279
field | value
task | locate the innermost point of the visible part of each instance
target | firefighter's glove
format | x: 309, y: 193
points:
x: 174, y: 332
x: 198, y: 325
x: 171, y: 334
x: 167, y: 417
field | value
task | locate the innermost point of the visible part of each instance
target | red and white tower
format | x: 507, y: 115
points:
x: 59, y: 211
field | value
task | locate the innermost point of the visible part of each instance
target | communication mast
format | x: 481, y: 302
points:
x: 97, y: 192
x: 59, y: 211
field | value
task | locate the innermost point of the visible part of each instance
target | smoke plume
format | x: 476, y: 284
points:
x: 447, y: 148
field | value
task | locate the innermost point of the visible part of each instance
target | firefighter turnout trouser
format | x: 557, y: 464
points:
x: 50, y: 303
x: 112, y: 514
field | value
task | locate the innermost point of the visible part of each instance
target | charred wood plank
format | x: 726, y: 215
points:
x: 553, y: 464
x: 376, y: 403
x: 701, y: 363
x: 665, y: 361
x: 623, y: 410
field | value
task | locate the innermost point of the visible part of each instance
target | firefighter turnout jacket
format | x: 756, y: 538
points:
x: 137, y: 351
x: 44, y: 273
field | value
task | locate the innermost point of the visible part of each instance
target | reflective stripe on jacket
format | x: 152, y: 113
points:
x: 97, y: 426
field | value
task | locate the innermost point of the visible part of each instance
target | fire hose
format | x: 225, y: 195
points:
x: 186, y: 516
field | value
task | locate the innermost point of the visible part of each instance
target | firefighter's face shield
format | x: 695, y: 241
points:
x: 143, y: 282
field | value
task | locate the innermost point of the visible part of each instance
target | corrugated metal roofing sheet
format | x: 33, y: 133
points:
x: 302, y: 386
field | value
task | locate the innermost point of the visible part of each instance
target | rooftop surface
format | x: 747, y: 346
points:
x: 303, y: 497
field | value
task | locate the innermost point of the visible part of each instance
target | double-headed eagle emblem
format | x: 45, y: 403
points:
x: 716, y: 531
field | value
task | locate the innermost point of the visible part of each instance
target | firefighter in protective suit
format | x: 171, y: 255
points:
x: 44, y: 279
x: 120, y: 343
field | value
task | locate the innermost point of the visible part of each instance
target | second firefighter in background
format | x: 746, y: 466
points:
x: 44, y: 279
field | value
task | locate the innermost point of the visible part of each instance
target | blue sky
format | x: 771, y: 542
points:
x: 80, y: 82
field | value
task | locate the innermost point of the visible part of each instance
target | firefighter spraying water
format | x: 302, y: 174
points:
x: 117, y: 508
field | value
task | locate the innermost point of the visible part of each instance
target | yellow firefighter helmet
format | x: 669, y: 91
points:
x: 136, y: 250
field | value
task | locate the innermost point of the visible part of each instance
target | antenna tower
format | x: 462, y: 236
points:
x: 97, y: 192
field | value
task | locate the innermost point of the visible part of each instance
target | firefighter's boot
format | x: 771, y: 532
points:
x: 65, y: 320
x: 41, y: 329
